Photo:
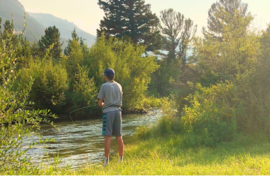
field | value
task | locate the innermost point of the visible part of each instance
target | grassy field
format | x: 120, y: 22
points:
x: 166, y: 156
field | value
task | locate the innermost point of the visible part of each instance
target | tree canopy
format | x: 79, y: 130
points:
x: 132, y: 19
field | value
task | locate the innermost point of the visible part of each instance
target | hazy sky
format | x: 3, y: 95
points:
x: 86, y: 14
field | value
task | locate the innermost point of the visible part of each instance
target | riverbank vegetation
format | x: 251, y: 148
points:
x: 216, y: 111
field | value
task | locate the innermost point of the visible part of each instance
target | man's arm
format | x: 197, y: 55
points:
x: 100, y: 103
x: 101, y: 96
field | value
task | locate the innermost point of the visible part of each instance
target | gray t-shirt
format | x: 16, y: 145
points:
x: 111, y: 93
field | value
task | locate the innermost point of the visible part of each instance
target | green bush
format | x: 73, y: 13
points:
x: 133, y: 71
x: 83, y: 91
x: 16, y: 121
x: 51, y: 82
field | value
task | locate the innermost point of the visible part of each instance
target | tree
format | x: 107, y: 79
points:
x: 132, y: 70
x: 8, y: 33
x: 177, y: 31
x: 223, y: 13
x: 234, y: 54
x: 74, y: 35
x: 132, y: 19
x: 51, y: 37
x: 80, y: 40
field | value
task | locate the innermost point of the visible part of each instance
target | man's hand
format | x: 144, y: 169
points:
x: 100, y: 103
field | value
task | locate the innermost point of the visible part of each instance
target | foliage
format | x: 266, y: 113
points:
x: 16, y: 121
x: 235, y: 11
x: 51, y: 82
x: 130, y: 18
x: 132, y: 70
x: 164, y: 78
x: 177, y: 31
x: 83, y: 91
x: 83, y: 46
x: 51, y: 37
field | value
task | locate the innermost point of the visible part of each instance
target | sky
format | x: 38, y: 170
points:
x: 86, y: 14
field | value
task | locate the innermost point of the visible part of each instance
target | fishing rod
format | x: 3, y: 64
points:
x: 80, y: 109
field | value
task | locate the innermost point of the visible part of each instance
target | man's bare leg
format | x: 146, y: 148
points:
x: 107, y: 146
x: 120, y: 146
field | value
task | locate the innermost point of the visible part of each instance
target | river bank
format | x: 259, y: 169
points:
x: 166, y: 156
x: 80, y: 142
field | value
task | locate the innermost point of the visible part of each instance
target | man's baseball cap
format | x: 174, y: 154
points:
x: 108, y: 72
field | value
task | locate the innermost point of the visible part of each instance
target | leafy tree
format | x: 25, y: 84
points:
x: 224, y: 13
x: 130, y: 18
x: 51, y: 82
x: 51, y: 37
x: 177, y: 31
x: 24, y: 53
x: 133, y: 71
x: 83, y: 90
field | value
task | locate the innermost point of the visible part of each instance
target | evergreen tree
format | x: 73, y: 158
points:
x: 223, y: 13
x: 176, y: 31
x: 75, y: 58
x: 130, y: 18
x: 80, y: 40
x: 8, y: 34
x: 74, y: 35
x: 51, y: 37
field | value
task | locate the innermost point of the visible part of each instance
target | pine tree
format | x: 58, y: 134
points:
x: 8, y: 35
x: 223, y: 13
x: 132, y: 19
x: 74, y: 35
x: 51, y: 37
x: 177, y: 31
x: 80, y: 40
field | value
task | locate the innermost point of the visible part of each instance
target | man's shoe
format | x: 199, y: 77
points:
x: 120, y: 159
x: 106, y: 161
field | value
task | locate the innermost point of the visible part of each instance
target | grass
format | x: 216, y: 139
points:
x: 166, y: 156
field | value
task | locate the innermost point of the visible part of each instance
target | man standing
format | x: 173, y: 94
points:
x: 111, y: 93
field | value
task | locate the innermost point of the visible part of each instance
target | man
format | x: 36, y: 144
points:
x: 111, y: 93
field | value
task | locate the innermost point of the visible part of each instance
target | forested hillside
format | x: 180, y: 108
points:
x: 64, y: 26
x: 34, y: 29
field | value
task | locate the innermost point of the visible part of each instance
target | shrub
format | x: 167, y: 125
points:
x: 50, y: 83
x: 83, y: 91
x: 15, y: 119
x: 133, y: 71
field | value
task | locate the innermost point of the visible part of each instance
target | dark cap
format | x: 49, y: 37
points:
x: 108, y: 72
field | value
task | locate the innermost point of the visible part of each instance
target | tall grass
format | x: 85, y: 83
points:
x: 167, y: 156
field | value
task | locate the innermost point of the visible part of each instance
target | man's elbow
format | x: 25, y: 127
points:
x: 100, y: 103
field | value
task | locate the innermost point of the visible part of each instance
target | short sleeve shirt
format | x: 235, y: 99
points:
x: 111, y: 93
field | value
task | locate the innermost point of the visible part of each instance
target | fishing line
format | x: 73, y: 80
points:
x: 78, y: 110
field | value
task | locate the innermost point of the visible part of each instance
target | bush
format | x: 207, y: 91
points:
x: 50, y: 83
x: 133, y: 71
x: 83, y: 91
x: 15, y: 118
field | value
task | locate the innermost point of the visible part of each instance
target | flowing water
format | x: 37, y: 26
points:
x: 81, y: 142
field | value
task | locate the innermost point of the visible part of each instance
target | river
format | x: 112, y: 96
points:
x: 80, y: 142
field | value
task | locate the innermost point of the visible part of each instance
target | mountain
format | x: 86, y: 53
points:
x: 65, y: 27
x: 34, y: 30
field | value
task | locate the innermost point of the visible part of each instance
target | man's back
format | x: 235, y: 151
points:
x: 112, y: 93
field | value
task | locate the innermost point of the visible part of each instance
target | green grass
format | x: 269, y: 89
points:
x: 166, y: 156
